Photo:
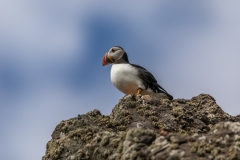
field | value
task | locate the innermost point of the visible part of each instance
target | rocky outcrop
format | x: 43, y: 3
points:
x: 146, y: 128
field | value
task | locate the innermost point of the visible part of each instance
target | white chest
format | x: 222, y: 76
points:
x: 124, y: 77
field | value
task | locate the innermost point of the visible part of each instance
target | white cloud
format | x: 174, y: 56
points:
x: 36, y: 35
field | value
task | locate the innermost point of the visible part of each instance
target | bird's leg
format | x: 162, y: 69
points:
x: 139, y: 91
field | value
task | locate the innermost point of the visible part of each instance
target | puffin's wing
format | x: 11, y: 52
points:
x: 149, y: 80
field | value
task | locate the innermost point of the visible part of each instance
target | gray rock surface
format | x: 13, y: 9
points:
x: 146, y: 128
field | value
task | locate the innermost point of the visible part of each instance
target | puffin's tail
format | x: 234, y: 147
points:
x: 161, y: 90
x: 170, y: 97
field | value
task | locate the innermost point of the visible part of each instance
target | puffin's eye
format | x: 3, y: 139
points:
x: 113, y: 50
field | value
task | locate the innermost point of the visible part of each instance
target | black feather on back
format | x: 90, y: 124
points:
x: 149, y: 80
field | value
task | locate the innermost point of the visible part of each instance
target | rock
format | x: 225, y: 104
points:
x: 142, y: 128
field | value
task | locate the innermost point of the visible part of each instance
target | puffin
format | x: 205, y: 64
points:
x: 131, y: 78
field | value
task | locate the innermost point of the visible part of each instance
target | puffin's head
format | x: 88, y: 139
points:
x: 115, y: 53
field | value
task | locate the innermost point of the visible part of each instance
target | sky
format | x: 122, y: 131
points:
x: 51, y: 53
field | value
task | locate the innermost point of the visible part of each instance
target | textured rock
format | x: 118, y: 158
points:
x: 142, y: 128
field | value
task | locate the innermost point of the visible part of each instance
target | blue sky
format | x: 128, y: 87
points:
x: 51, y: 52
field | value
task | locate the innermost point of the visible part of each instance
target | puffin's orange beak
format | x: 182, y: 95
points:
x: 106, y: 60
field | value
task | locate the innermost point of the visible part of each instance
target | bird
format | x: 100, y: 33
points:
x: 131, y: 78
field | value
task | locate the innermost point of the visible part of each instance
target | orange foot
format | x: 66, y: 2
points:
x: 139, y: 91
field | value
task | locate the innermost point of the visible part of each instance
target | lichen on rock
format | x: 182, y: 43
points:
x: 144, y: 127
